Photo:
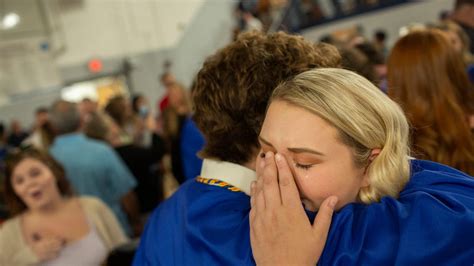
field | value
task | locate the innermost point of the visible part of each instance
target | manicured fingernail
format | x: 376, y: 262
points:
x: 268, y: 155
x: 332, y: 202
x: 278, y: 157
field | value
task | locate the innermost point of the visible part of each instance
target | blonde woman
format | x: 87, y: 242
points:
x: 332, y: 136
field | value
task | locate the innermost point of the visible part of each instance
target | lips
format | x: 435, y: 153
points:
x: 36, y: 194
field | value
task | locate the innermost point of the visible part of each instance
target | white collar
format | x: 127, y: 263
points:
x: 234, y: 174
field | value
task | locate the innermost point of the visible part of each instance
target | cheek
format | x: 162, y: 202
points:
x: 309, y: 184
x: 317, y: 185
x: 51, y: 181
x: 20, y: 192
x: 48, y: 181
x: 18, y: 189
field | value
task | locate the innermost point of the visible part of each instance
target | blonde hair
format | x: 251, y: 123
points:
x: 365, y: 118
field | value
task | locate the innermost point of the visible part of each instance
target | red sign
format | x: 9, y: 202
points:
x: 95, y: 65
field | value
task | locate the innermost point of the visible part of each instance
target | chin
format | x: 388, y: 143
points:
x: 39, y: 205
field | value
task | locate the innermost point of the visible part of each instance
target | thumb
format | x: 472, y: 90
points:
x: 322, y: 223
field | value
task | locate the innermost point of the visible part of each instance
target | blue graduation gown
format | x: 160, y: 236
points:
x: 432, y: 223
x: 201, y: 224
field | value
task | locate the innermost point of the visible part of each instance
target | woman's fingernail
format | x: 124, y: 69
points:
x: 332, y: 202
x: 268, y: 155
x: 278, y: 157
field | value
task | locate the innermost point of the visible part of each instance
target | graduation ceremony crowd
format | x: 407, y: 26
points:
x: 283, y: 151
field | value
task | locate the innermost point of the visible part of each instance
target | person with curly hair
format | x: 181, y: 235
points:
x: 206, y: 220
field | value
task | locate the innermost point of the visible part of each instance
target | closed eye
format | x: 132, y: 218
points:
x: 304, y: 166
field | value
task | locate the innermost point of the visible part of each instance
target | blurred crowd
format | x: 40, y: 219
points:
x: 122, y: 154
x: 295, y: 15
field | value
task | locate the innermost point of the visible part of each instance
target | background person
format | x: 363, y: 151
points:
x: 50, y: 225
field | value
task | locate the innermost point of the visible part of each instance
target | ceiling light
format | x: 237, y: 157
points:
x: 10, y: 20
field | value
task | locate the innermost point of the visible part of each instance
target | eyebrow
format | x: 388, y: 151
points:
x: 294, y: 150
x: 305, y: 150
x: 266, y: 142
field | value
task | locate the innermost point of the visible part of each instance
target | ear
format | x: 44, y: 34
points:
x: 373, y: 154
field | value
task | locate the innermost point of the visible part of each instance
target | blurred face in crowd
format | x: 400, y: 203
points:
x: 142, y: 106
x: 168, y: 80
x: 177, y: 98
x: 321, y: 164
x: 141, y: 101
x: 87, y: 106
x: 41, y: 118
x: 454, y: 40
x: 34, y: 183
x: 176, y: 95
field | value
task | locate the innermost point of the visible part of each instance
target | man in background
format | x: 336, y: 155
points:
x: 93, y: 167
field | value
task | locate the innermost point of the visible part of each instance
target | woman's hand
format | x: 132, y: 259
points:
x: 47, y: 247
x: 280, y: 231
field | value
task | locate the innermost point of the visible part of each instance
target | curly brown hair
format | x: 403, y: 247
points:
x: 14, y: 204
x: 232, y: 89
